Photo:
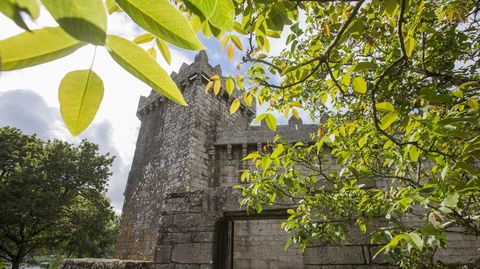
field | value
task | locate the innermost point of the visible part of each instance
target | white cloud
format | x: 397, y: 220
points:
x: 28, y: 111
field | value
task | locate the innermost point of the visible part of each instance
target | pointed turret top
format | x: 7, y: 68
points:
x: 201, y: 57
x: 200, y: 64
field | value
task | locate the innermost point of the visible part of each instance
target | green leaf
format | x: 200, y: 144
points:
x: 236, y: 41
x: 234, y: 106
x: 138, y: 63
x: 363, y: 66
x: 217, y: 86
x: 162, y: 46
x: 239, y: 79
x: 14, y: 13
x: 147, y: 37
x: 458, y: 93
x: 248, y: 100
x: 362, y: 141
x: 472, y: 102
x: 385, y: 107
x: 254, y: 155
x: 410, y: 45
x: 80, y: 95
x: 278, y: 150
x: 223, y: 15
x: 359, y: 85
x: 152, y: 52
x: 288, y: 243
x: 230, y: 85
x: 416, y: 240
x: 387, y: 120
x: 85, y: 20
x: 271, y: 122
x: 36, y: 47
x: 393, y: 243
x: 203, y: 8
x: 163, y: 20
x: 29, y: 6
x: 405, y: 202
x: 14, y: 10
x: 112, y: 6
x: 451, y: 201
x: 230, y: 52
x: 413, y: 153
x: 208, y: 86
x: 261, y: 117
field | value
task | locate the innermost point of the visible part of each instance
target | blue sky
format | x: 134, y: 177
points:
x: 28, y: 97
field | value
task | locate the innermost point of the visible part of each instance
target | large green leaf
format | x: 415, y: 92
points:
x: 36, y: 47
x: 234, y: 106
x: 203, y: 8
x: 139, y: 63
x: 85, y: 20
x: 80, y: 95
x: 271, y: 122
x: 359, y: 85
x: 163, y: 20
x: 387, y: 120
x: 385, y: 107
x: 223, y: 15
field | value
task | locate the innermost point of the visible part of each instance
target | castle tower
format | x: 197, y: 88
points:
x: 172, y: 153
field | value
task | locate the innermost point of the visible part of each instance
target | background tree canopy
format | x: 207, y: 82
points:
x: 395, y: 81
x: 52, y: 198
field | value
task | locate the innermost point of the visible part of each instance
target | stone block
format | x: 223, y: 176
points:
x: 331, y: 255
x: 173, y: 238
x: 202, y: 237
x: 163, y: 253
x: 164, y: 266
x: 193, y: 253
x: 259, y: 264
x: 187, y: 266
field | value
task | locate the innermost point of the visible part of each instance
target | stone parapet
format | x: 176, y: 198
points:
x: 106, y: 264
x: 261, y: 134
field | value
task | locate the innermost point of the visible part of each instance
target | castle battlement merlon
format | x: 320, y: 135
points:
x: 261, y: 134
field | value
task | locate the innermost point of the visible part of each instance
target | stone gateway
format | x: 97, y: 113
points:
x: 180, y: 208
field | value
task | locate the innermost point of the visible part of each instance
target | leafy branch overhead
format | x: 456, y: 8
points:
x: 85, y: 22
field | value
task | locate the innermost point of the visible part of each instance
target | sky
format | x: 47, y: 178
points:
x: 29, y: 97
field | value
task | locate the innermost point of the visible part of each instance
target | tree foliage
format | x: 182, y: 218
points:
x: 396, y: 83
x: 52, y: 196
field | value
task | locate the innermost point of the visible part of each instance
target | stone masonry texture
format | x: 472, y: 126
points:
x: 180, y: 209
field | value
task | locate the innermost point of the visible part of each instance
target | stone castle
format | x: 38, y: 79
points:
x: 180, y: 208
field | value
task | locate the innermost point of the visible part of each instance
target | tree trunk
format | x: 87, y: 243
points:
x: 16, y: 263
x: 18, y: 258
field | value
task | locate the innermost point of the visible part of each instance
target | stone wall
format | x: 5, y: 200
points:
x: 106, y: 264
